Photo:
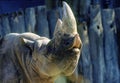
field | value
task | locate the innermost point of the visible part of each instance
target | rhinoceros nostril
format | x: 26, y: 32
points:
x: 74, y: 42
x: 67, y: 43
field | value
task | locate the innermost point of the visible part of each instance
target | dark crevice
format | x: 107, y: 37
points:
x: 84, y: 28
x: 98, y: 27
x: 111, y: 25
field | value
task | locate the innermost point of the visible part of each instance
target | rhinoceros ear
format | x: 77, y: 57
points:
x: 27, y: 43
x: 58, y: 27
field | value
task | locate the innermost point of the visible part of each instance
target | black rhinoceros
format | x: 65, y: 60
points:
x: 29, y: 58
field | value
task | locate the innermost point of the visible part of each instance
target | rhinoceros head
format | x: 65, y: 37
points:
x: 64, y: 48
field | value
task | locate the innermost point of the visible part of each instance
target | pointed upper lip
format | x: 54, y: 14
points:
x: 77, y: 42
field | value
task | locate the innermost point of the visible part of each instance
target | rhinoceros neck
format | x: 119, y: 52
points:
x: 31, y: 62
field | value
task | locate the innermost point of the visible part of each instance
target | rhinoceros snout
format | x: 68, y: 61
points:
x: 75, y: 42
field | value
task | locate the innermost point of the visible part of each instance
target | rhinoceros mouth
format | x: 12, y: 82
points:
x: 76, y: 50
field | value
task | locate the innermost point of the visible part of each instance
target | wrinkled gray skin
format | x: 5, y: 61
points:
x: 29, y: 58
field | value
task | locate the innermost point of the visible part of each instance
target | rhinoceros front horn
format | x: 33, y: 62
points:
x: 69, y: 21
